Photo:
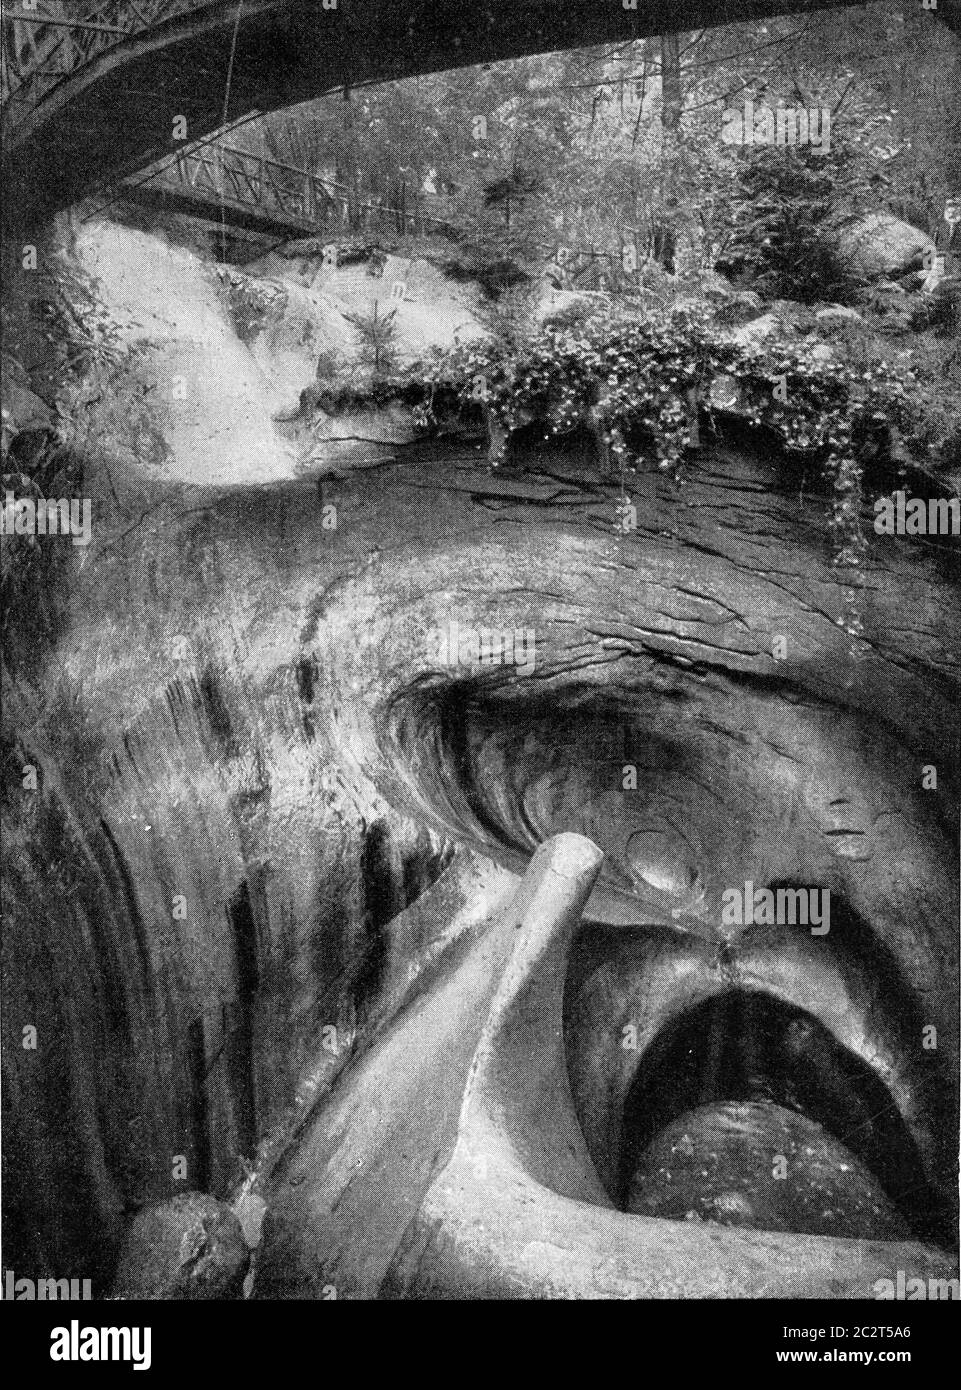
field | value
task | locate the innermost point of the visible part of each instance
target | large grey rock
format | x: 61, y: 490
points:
x: 190, y: 1247
x: 880, y: 246
x: 838, y: 313
x: 367, y: 433
x: 757, y: 330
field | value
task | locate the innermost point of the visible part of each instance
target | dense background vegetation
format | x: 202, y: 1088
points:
x: 597, y: 148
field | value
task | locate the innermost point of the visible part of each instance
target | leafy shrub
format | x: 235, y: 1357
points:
x: 941, y: 311
x: 785, y: 205
x: 86, y: 339
x: 511, y: 318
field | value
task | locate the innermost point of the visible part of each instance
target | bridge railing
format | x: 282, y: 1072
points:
x: 236, y: 176
x: 230, y: 178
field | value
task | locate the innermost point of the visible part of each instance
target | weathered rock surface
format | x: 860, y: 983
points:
x: 271, y: 733
x: 880, y: 246
x: 756, y: 1165
x: 189, y: 1247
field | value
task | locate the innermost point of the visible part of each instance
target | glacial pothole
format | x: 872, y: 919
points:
x: 747, y: 1111
x: 792, y: 1128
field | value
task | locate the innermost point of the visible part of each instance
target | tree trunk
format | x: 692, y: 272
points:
x: 672, y: 106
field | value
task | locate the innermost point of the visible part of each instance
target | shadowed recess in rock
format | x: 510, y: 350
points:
x: 755, y: 1079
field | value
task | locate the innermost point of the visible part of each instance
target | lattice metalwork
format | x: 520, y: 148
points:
x: 231, y: 175
x: 227, y: 177
x: 45, y: 41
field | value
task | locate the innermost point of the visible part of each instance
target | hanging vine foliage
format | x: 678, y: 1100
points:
x: 647, y: 382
